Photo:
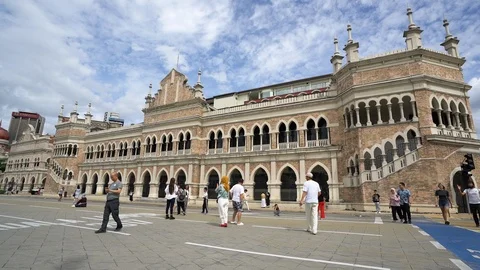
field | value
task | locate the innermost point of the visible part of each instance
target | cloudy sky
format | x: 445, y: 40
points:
x: 108, y: 52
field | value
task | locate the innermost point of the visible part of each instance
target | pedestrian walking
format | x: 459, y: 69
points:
x: 205, y: 201
x: 263, y: 202
x: 60, y: 194
x: 267, y: 198
x: 222, y: 191
x: 181, y: 199
x: 238, y: 195
x: 405, y: 203
x: 170, y: 194
x: 112, y: 204
x: 276, y: 210
x: 311, y: 191
x: 376, y: 201
x: 473, y: 198
x: 444, y: 202
x: 76, y: 195
x: 321, y: 205
x: 245, y: 201
x: 395, y: 205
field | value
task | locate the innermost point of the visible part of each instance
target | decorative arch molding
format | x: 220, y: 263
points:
x: 280, y: 170
x: 327, y: 170
x: 213, y: 168
x: 178, y: 171
x: 157, y: 178
x: 277, y: 127
x: 93, y: 177
x: 260, y: 166
x: 240, y: 170
x: 143, y: 174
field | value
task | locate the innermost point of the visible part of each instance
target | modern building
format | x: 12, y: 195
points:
x: 20, y: 121
x: 375, y: 121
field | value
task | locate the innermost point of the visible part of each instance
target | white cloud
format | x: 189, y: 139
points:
x: 474, y: 95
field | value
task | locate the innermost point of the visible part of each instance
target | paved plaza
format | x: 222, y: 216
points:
x: 38, y: 233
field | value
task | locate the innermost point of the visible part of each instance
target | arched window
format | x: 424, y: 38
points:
x: 181, y: 178
x: 311, y: 132
x: 322, y: 129
x: 412, y: 140
x: 163, y: 179
x: 288, y: 188
x: 256, y: 137
x: 113, y: 150
x: 109, y: 150
x: 293, y: 134
x: 146, y: 184
x: 139, y: 145
x: 233, y: 138
x: 133, y: 148
x: 164, y: 143
x: 213, y: 181
x: 367, y: 161
x: 147, y: 145
x: 75, y: 150
x: 170, y: 143
x: 389, y: 152
x: 241, y: 137
x: 266, y: 137
x: 125, y: 149
x: 235, y: 176
x: 188, y: 141
x: 120, y: 151
x: 377, y: 153
x: 400, y: 144
x: 282, y: 133
x: 211, y: 141
x: 102, y: 152
x: 260, y: 183
x: 69, y: 151
x: 321, y: 177
x: 181, y: 142
x: 219, y: 141
x: 154, y: 145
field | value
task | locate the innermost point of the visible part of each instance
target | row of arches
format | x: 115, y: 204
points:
x: 19, y: 184
x: 68, y: 150
x: 450, y: 113
x: 261, y: 177
x: 288, y: 135
x: 383, y: 110
x: 23, y: 163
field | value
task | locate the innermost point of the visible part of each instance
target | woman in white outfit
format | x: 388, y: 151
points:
x: 263, y: 203
x: 222, y: 191
x: 245, y: 201
x: 76, y: 195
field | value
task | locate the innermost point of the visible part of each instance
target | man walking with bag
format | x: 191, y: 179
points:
x: 112, y: 204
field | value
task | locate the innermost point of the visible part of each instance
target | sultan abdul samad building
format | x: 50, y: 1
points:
x: 375, y: 121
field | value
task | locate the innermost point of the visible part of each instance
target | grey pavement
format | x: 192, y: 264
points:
x: 45, y: 234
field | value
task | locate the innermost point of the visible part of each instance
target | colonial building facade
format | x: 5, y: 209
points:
x: 375, y: 121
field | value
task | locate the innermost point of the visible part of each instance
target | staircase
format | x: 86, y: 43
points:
x: 397, y: 164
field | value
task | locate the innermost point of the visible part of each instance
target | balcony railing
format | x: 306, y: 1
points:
x: 315, y: 143
x: 453, y: 133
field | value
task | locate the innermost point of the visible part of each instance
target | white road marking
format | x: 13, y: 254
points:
x: 93, y: 218
x: 415, y: 226
x: 8, y: 203
x: 461, y: 265
x: 320, y: 231
x: 323, y: 220
x: 288, y: 257
x: 59, y: 224
x: 69, y: 220
x: 378, y: 220
x: 437, y: 245
x: 88, y: 211
x: 44, y: 207
x: 424, y: 233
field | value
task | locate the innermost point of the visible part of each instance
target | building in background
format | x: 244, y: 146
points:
x: 20, y: 121
x: 113, y: 117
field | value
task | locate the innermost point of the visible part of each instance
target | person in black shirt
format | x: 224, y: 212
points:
x: 376, y: 201
x: 443, y: 202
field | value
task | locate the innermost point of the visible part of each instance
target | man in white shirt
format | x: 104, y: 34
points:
x: 238, y: 195
x: 311, y: 191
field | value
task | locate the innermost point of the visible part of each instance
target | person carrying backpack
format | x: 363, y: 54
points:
x: 181, y: 198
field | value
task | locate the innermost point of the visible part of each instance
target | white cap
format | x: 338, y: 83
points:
x: 309, y: 175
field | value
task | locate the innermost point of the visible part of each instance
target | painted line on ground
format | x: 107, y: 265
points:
x: 177, y: 219
x: 288, y: 257
x: 89, y: 211
x: 437, y: 245
x: 378, y: 220
x: 461, y: 265
x: 318, y: 231
x: 59, y: 224
x: 8, y: 203
x: 323, y: 220
x: 415, y: 226
x: 47, y: 207
x: 424, y: 233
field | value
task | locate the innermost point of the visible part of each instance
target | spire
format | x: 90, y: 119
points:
x: 76, y: 107
x: 89, y: 108
x: 410, y: 19
x: 150, y: 90
x: 351, y: 48
x: 88, y: 115
x: 336, y: 59
x: 61, y: 110
x: 412, y: 35
x: 335, y: 42
x: 450, y: 43
x: 199, y: 81
x: 349, y: 30
x: 447, y: 31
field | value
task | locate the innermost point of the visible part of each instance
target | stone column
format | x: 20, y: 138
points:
x: 153, y: 190
x: 302, y: 170
x: 457, y: 120
x: 449, y: 120
x: 274, y: 186
x: 345, y: 116
x: 402, y: 112
x: 390, y: 117
x: 369, y: 123
x: 357, y: 114
x: 465, y: 118
x: 351, y: 119
x: 395, y: 153
x: 414, y: 110
x: 247, y: 172
x: 379, y: 121
x: 439, y: 114
x: 333, y: 188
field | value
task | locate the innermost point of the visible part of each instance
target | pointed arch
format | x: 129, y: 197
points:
x: 162, y: 183
x: 260, y: 176
x: 146, y: 179
x: 94, y: 183
x: 181, y: 176
x: 84, y: 182
x: 288, y: 177
x: 213, y: 179
x: 131, y: 179
x: 234, y: 175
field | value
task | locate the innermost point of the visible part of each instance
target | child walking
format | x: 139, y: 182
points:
x: 205, y: 201
x: 276, y: 210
